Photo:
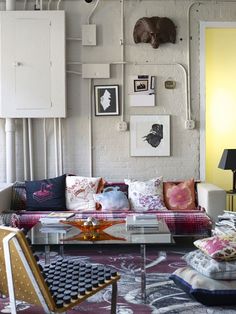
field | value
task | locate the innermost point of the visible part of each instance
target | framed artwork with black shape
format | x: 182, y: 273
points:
x: 150, y: 135
x: 106, y: 100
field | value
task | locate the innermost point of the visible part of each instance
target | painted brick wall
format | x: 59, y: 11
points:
x: 111, y: 149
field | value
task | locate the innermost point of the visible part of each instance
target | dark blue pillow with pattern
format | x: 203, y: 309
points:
x: 47, y: 194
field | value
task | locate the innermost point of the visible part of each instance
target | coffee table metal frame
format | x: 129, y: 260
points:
x: 56, y: 238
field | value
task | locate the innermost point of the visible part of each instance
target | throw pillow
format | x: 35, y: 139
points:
x: 146, y: 195
x: 221, y: 248
x: 179, y: 196
x: 209, y: 267
x: 112, y: 199
x: 47, y: 194
x: 80, y: 191
x: 203, y: 289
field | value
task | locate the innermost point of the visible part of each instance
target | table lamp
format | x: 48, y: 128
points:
x: 228, y: 162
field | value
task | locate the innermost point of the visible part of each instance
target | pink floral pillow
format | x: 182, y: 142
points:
x: 179, y: 196
x: 221, y: 248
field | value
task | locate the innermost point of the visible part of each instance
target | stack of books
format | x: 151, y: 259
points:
x: 226, y: 224
x: 54, y: 218
x: 142, y: 223
x: 147, y: 229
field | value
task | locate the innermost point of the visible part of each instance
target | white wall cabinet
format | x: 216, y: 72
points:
x: 32, y: 64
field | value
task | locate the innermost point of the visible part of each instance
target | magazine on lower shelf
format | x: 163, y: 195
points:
x: 53, y: 229
x: 56, y: 217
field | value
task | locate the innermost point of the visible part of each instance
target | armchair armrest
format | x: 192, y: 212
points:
x: 212, y: 198
x: 5, y: 196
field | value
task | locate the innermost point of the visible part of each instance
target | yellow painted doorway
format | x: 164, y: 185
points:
x: 220, y: 119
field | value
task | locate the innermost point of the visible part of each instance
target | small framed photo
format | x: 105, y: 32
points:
x: 106, y: 100
x: 140, y: 85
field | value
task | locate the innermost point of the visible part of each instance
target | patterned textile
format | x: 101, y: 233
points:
x: 18, y: 199
x: 80, y: 191
x: 203, y: 289
x: 146, y: 195
x: 221, y: 248
x: 112, y: 199
x: 209, y: 267
x: 45, y: 194
x: 179, y: 196
x: 180, y: 223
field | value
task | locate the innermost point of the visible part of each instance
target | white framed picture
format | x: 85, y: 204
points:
x: 150, y: 135
x: 106, y: 100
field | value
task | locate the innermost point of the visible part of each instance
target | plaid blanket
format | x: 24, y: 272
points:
x: 193, y: 222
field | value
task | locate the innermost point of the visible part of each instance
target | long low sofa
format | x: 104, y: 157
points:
x: 211, y: 201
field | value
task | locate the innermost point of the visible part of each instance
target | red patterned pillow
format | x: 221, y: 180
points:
x: 179, y: 196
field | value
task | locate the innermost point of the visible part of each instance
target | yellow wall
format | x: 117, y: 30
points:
x: 220, y: 101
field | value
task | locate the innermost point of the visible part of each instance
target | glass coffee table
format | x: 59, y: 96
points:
x: 116, y: 234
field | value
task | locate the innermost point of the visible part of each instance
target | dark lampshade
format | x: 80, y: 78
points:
x: 228, y: 162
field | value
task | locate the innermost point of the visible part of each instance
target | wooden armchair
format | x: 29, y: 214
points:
x: 57, y: 287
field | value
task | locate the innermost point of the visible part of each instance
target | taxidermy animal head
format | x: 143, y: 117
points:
x: 154, y: 30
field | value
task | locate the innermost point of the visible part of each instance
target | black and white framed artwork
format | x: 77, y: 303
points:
x: 106, y: 100
x: 150, y: 135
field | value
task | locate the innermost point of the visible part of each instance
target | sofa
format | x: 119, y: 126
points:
x: 210, y: 201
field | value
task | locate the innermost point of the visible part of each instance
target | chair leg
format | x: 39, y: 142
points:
x: 113, y: 297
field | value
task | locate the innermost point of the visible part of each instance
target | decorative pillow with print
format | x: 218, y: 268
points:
x: 210, y: 267
x: 47, y: 194
x: 146, y: 195
x: 80, y: 191
x: 221, y: 248
x: 179, y: 196
x: 112, y: 199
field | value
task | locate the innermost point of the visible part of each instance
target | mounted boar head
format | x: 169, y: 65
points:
x: 154, y: 30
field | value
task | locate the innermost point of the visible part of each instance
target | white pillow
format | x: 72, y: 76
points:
x: 146, y: 195
x: 79, y: 192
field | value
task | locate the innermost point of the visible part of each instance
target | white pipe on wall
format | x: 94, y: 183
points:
x: 60, y: 146
x: 31, y: 161
x: 90, y: 130
x: 55, y: 145
x: 25, y: 149
x: 10, y: 129
x: 45, y: 147
x: 122, y: 58
x: 92, y: 11
x: 10, y: 151
x: 10, y: 5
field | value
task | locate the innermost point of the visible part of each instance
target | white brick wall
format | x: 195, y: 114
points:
x: 111, y: 153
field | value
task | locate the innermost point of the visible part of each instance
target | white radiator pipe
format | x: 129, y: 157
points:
x: 10, y: 129
x: 60, y: 147
x: 25, y: 149
x: 55, y: 146
x: 31, y: 161
x: 10, y: 5
x: 45, y: 147
x: 10, y: 151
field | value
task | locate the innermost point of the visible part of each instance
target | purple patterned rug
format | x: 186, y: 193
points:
x: 162, y: 294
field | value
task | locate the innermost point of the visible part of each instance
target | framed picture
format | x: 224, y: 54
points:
x: 141, y: 90
x: 150, y: 135
x: 106, y: 100
x: 140, y: 85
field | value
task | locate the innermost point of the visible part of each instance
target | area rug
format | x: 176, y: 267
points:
x: 163, y: 296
